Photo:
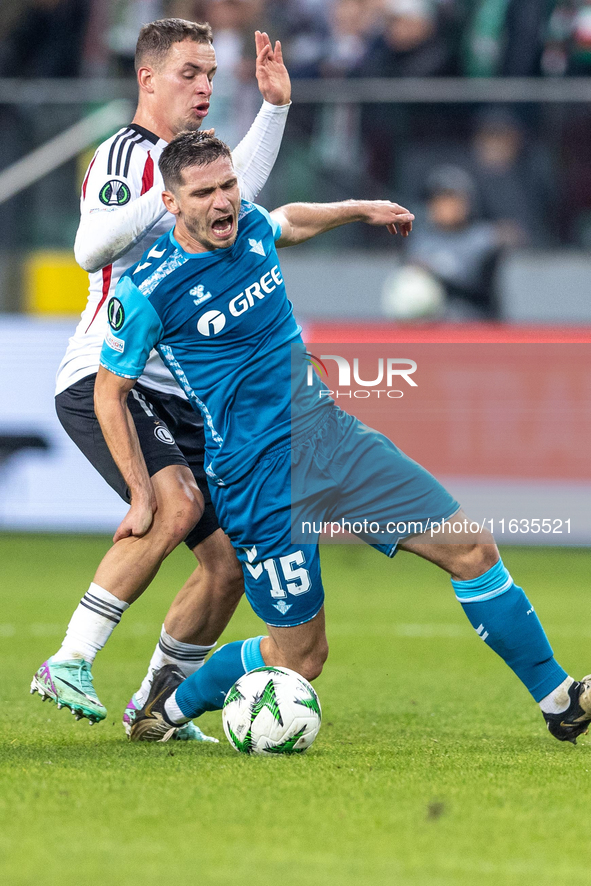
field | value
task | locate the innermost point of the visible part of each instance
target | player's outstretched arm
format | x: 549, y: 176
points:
x: 302, y: 221
x: 255, y: 156
x: 119, y: 431
x: 104, y: 236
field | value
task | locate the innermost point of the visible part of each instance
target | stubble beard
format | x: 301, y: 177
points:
x: 198, y: 231
x: 193, y: 125
x: 186, y: 126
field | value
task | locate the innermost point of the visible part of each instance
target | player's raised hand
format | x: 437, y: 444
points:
x: 271, y: 73
x: 137, y: 521
x: 393, y: 216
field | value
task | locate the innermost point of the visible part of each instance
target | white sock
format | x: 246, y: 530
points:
x: 558, y: 700
x: 173, y: 712
x: 98, y: 614
x: 187, y: 657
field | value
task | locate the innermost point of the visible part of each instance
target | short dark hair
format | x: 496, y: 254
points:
x: 157, y: 37
x: 189, y: 148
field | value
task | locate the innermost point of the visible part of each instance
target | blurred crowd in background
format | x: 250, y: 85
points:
x: 322, y: 38
x: 480, y: 178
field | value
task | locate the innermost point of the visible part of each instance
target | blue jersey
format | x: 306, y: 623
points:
x: 223, y: 324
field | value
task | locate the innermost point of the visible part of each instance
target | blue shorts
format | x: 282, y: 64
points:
x: 342, y: 471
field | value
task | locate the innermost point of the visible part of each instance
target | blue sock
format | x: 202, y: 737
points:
x: 504, y: 618
x: 206, y: 689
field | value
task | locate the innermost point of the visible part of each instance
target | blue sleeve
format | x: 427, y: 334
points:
x: 134, y: 329
x: 275, y: 226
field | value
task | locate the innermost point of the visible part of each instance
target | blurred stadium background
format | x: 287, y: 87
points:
x: 473, y: 113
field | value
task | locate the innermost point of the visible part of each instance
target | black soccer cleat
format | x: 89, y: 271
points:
x: 151, y: 723
x: 575, y: 720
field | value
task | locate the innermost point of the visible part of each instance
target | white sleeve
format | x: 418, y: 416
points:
x: 111, y: 224
x: 104, y: 235
x: 255, y: 156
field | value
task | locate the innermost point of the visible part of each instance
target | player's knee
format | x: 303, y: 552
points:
x: 474, y: 560
x: 180, y: 514
x: 190, y: 511
x: 194, y: 506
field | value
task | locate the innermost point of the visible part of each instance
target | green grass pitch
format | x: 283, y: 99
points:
x: 432, y: 766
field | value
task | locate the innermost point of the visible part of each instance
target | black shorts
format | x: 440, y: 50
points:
x: 169, y: 430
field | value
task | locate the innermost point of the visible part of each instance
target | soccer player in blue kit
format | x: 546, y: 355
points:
x: 211, y: 298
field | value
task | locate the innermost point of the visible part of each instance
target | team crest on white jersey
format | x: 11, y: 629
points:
x: 257, y: 246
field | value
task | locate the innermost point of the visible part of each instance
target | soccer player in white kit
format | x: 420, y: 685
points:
x: 122, y: 214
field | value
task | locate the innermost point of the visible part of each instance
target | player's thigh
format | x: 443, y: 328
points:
x: 186, y: 426
x: 75, y: 410
x: 282, y: 580
x: 378, y: 490
x: 303, y: 648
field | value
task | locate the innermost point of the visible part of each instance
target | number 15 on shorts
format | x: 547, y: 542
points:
x: 286, y: 574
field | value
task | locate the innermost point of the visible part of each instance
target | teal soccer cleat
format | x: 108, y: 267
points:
x: 69, y: 684
x: 188, y: 732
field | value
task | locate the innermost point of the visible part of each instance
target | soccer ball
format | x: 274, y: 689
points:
x: 271, y: 711
x: 413, y: 293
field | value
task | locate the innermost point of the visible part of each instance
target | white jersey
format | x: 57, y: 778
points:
x: 122, y: 215
x: 123, y: 168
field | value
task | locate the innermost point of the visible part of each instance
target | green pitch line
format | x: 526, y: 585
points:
x: 432, y: 765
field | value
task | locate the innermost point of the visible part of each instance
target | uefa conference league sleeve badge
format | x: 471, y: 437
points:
x: 114, y: 193
x: 115, y: 314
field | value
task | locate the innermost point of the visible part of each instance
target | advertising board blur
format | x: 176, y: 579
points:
x: 46, y: 484
x: 507, y: 428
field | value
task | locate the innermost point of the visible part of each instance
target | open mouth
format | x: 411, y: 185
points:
x: 202, y: 109
x: 222, y: 228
